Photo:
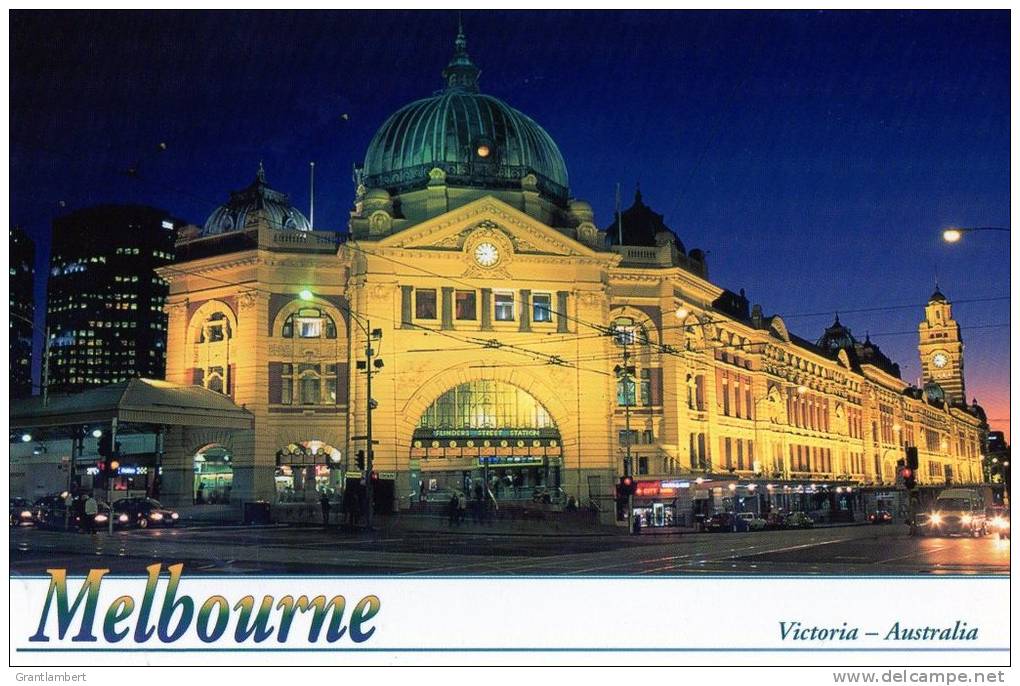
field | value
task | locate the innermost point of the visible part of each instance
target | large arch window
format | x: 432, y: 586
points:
x: 486, y: 404
x: 309, y: 322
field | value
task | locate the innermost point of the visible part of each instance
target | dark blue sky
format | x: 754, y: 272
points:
x: 814, y: 155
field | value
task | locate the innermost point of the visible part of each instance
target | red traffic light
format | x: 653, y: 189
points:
x: 627, y: 481
x: 374, y: 475
x: 907, y: 473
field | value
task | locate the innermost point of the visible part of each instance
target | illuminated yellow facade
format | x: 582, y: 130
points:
x: 514, y: 342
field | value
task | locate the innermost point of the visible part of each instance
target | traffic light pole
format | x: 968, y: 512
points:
x: 109, y: 476
x: 628, y: 467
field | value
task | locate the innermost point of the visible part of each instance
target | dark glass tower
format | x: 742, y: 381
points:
x: 22, y: 310
x: 105, y: 301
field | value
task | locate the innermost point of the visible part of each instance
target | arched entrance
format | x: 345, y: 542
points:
x: 214, y: 475
x: 487, y: 432
x: 306, y: 469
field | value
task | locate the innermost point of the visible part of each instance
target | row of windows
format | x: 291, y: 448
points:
x: 807, y: 411
x: 627, y: 389
x: 646, y: 437
x: 810, y: 458
x: 737, y: 453
x: 734, y: 391
x: 309, y: 384
x: 465, y: 305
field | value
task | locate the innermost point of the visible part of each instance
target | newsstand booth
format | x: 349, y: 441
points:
x: 661, y: 504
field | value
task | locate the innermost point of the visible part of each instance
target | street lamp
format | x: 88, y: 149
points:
x: 954, y: 234
x: 26, y: 438
x: 97, y: 433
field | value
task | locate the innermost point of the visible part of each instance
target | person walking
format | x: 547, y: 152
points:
x: 324, y: 503
x: 91, y: 510
x: 451, y: 510
x: 461, y: 507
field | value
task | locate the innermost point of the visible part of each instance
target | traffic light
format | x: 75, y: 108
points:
x: 627, y: 486
x: 374, y: 476
x: 909, y: 478
x: 105, y: 445
x: 360, y: 460
x: 912, y: 457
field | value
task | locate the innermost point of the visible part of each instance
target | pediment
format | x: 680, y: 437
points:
x: 490, y: 217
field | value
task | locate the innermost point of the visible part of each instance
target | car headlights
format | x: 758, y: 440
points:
x: 26, y: 514
x: 935, y: 518
x: 966, y: 519
x: 101, y: 518
x: 156, y: 516
x: 122, y: 518
x: 174, y: 515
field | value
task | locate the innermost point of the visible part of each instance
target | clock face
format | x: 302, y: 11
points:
x: 939, y: 360
x: 486, y: 254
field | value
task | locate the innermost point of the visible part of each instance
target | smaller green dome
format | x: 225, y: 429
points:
x: 477, y: 140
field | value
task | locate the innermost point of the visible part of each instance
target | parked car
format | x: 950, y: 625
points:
x: 721, y: 521
x: 749, y: 521
x: 998, y: 521
x: 20, y: 511
x: 776, y: 520
x: 880, y: 517
x: 798, y: 520
x: 143, y: 513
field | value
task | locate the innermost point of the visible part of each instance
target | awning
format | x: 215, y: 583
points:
x: 136, y: 401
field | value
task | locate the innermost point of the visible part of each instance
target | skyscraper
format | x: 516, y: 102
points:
x: 105, y: 301
x: 22, y: 309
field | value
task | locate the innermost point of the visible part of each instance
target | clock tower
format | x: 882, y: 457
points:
x: 941, y: 348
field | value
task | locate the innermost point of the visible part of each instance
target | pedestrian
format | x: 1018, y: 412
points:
x: 91, y: 510
x: 422, y: 491
x: 451, y: 509
x: 461, y: 507
x: 637, y: 524
x: 324, y: 503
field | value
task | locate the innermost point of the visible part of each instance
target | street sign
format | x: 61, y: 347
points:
x: 389, y: 476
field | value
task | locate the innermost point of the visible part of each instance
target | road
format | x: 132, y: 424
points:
x: 850, y: 550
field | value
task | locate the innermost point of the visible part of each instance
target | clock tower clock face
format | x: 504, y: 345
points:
x: 940, y: 360
x: 486, y: 254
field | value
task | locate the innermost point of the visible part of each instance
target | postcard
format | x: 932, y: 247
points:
x: 489, y: 337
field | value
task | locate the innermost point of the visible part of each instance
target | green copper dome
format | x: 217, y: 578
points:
x: 478, y: 140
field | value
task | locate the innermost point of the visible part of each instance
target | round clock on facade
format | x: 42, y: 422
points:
x: 486, y: 254
x: 939, y: 360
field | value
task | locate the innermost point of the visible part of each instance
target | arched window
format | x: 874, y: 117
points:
x: 309, y: 322
x: 486, y: 405
x: 628, y: 332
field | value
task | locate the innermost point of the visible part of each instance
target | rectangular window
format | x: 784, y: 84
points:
x: 425, y: 303
x: 310, y: 328
x: 466, y: 305
x: 624, y: 437
x: 646, y: 387
x: 642, y: 465
x: 542, y: 307
x: 626, y: 392
x: 287, y: 374
x: 504, y: 307
x: 331, y: 381
x: 649, y: 437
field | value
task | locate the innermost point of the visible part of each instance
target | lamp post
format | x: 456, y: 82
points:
x: 370, y: 366
x: 954, y: 234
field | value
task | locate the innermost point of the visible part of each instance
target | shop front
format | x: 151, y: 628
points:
x: 662, y: 504
x: 306, y: 470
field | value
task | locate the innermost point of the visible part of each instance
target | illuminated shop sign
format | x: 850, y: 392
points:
x: 512, y: 460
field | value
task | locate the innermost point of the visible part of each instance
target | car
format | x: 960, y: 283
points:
x: 998, y: 521
x: 749, y: 521
x: 143, y: 513
x: 721, y: 521
x: 880, y: 517
x: 20, y: 511
x: 955, y: 511
x: 50, y: 512
x: 798, y: 520
x: 776, y: 520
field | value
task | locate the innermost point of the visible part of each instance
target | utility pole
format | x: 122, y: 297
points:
x: 624, y: 374
x: 110, y: 469
x: 46, y: 370
x: 368, y: 422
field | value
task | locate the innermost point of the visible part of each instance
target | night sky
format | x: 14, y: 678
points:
x: 814, y: 155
